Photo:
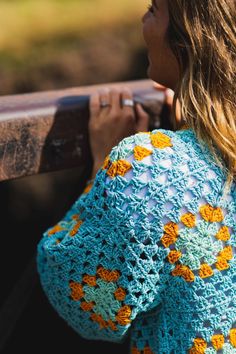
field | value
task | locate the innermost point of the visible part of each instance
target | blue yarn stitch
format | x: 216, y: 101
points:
x: 107, y: 270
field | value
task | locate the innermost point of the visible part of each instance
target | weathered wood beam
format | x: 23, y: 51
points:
x: 48, y: 131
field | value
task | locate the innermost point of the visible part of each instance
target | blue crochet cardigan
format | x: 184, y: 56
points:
x: 149, y: 250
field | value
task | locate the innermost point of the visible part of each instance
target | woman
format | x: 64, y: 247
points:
x: 149, y: 249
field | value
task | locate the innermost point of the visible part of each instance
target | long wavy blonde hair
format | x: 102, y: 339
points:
x: 202, y: 34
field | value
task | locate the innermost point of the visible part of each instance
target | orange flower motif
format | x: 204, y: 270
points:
x: 119, y: 167
x: 76, y: 228
x: 183, y: 271
x: 221, y: 263
x: 55, y: 229
x: 232, y: 337
x: 86, y: 306
x: 189, y: 220
x: 93, y: 301
x: 123, y: 315
x: 168, y: 240
x: 205, y: 271
x: 120, y: 294
x: 171, y: 228
x: 76, y: 291
x: 171, y: 233
x: 90, y: 280
x: 135, y: 350
x: 123, y: 166
x: 141, y: 152
x: 174, y: 256
x: 108, y: 275
x: 160, y: 140
x: 227, y: 253
x: 223, y: 234
x: 200, y: 345
x: 98, y: 318
x: 112, y: 170
x: 218, y: 341
x: 112, y: 325
x: 211, y: 214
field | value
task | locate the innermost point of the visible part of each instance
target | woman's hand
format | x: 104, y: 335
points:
x: 113, y: 116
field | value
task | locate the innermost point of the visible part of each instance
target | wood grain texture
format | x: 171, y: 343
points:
x: 48, y: 131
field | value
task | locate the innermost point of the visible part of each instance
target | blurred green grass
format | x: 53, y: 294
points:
x: 24, y: 22
x: 50, y: 44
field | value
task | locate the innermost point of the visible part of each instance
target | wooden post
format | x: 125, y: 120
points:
x: 48, y: 131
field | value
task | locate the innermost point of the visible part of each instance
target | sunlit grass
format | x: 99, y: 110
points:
x: 24, y: 22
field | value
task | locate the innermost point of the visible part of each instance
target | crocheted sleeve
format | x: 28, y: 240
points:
x: 103, y: 265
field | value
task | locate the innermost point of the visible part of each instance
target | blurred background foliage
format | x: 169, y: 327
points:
x: 52, y: 44
x: 49, y: 45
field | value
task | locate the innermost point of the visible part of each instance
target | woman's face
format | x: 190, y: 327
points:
x: 163, y: 65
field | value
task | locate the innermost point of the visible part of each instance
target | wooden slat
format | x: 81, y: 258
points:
x: 48, y: 131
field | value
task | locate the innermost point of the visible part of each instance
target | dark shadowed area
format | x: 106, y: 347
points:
x: 30, y: 205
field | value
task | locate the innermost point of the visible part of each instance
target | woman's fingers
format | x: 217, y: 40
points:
x: 142, y: 119
x: 105, y: 101
x: 94, y: 105
x: 115, y: 100
x: 127, y: 103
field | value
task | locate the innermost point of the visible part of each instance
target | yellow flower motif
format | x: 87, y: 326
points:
x: 141, y: 152
x: 232, y: 337
x: 98, y: 318
x: 123, y: 316
x: 76, y: 228
x: 76, y: 291
x: 119, y: 167
x: 90, y: 280
x: 171, y: 233
x: 211, y: 214
x: 112, y: 170
x: 108, y: 275
x: 120, y: 294
x: 92, y: 300
x: 218, y: 341
x: 227, y: 253
x: 223, y: 234
x: 168, y: 240
x: 123, y: 167
x: 160, y: 140
x: 200, y: 345
x: 172, y: 229
x: 184, y: 272
x: 189, y: 220
x: 205, y: 271
x: 174, y: 256
x: 87, y: 306
x: 221, y: 263
x: 55, y: 229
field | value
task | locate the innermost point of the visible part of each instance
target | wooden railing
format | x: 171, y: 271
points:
x: 48, y: 131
